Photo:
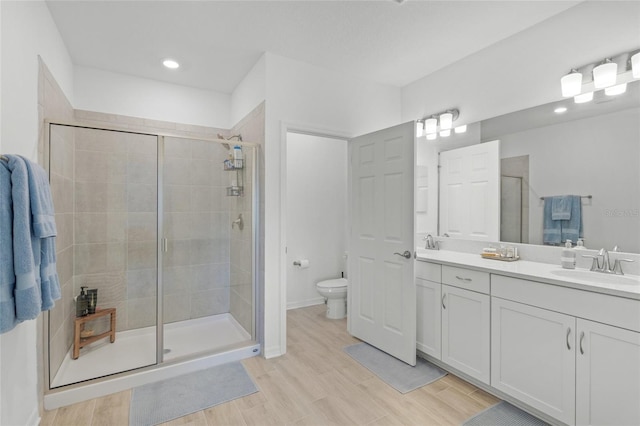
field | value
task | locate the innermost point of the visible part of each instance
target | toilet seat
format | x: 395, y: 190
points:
x: 333, y: 284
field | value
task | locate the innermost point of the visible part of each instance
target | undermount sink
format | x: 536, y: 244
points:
x: 597, y: 277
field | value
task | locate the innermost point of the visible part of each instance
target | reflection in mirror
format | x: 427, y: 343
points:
x: 591, y: 149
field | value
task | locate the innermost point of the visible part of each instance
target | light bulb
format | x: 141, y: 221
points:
x: 616, y: 90
x: 446, y: 121
x: 419, y: 129
x: 431, y: 136
x: 431, y: 125
x: 635, y: 65
x: 583, y: 98
x: 461, y: 129
x: 604, y: 75
x: 571, y: 84
x: 445, y: 133
x: 170, y: 63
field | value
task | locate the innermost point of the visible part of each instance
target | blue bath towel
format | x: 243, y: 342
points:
x: 44, y: 227
x: 7, y: 277
x: 555, y: 232
x: 572, y: 228
x: 26, y: 247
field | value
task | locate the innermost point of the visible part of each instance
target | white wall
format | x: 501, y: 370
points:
x: 299, y: 95
x: 115, y: 93
x: 27, y: 31
x: 316, y: 214
x: 557, y: 158
x: 525, y: 69
x: 250, y: 92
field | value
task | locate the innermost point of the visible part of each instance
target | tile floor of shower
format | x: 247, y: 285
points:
x: 137, y: 348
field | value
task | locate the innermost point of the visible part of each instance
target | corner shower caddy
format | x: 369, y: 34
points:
x: 236, y: 166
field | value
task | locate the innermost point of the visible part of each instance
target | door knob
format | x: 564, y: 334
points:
x: 406, y: 254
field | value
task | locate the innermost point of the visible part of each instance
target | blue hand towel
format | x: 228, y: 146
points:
x: 561, y: 207
x: 44, y: 227
x: 7, y: 277
x: 551, y: 229
x: 44, y: 221
x: 26, y: 247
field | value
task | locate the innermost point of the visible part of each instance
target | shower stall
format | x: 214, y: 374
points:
x: 164, y: 228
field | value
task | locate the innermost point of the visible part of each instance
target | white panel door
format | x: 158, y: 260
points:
x: 533, y: 357
x: 607, y: 375
x: 470, y: 192
x: 466, y: 331
x: 382, y: 294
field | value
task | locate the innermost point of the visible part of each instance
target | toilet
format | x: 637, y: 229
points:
x: 335, y: 291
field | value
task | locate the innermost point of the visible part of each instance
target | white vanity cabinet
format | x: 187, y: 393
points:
x: 607, y: 375
x: 428, y: 292
x: 466, y: 329
x: 548, y: 353
x: 533, y: 357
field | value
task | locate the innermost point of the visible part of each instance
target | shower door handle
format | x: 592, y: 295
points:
x: 165, y: 245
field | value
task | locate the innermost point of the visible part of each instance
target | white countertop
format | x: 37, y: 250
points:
x: 535, y: 271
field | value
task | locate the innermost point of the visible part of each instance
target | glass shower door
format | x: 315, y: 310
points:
x: 104, y: 185
x: 197, y: 267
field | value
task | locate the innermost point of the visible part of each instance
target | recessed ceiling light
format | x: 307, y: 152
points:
x: 560, y: 110
x: 170, y: 63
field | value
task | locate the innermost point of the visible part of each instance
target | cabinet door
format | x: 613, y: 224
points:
x: 533, y: 357
x: 608, y: 375
x: 429, y: 323
x: 466, y: 331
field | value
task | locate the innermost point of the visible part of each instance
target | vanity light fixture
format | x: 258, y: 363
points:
x: 440, y: 123
x: 583, y: 98
x: 419, y: 128
x: 635, y: 65
x: 460, y: 129
x: 604, y: 75
x: 612, y: 71
x: 560, y: 110
x: 171, y: 64
x: 571, y: 83
x: 616, y: 90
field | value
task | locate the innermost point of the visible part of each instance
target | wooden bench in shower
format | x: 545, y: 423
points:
x: 79, y: 342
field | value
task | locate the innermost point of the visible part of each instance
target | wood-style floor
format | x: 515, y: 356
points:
x: 315, y: 383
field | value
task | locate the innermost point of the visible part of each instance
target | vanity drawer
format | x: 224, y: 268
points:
x: 604, y: 308
x: 429, y: 271
x: 466, y: 278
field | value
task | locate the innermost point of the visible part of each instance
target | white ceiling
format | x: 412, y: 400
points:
x: 217, y: 42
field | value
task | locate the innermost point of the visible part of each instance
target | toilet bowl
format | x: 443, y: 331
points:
x: 335, y: 291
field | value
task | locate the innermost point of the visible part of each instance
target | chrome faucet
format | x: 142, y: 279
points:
x: 430, y: 243
x: 605, y: 267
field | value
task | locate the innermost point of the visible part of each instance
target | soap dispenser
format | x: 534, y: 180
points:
x: 568, y: 257
x: 580, y: 245
x: 82, y: 303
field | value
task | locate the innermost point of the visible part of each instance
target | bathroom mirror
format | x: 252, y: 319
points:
x: 591, y: 149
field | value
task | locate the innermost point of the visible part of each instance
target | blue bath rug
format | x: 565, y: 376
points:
x: 397, y: 374
x: 169, y: 399
x: 504, y: 414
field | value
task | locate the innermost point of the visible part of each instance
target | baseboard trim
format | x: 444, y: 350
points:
x: 306, y: 303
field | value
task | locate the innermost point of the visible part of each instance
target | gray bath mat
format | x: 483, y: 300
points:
x: 504, y: 414
x: 172, y: 398
x: 402, y: 377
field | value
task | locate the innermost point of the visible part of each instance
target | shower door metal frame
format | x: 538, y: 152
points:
x: 257, y: 311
